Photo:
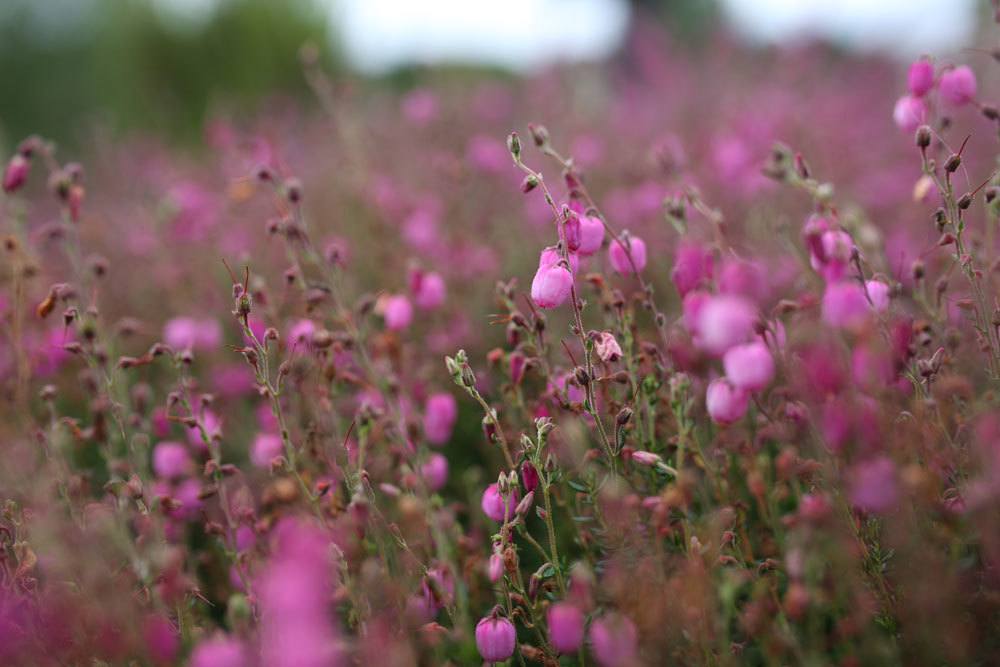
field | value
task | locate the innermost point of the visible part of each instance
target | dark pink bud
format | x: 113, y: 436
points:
x: 529, y: 476
x: 16, y: 173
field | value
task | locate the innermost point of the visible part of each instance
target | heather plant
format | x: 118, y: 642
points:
x: 311, y: 400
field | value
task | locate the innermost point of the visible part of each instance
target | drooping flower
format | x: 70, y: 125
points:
x: 958, y: 86
x: 909, y: 113
x: 920, y: 78
x: 726, y: 403
x: 614, y: 640
x: 749, y: 366
x: 551, y: 286
x: 495, y: 638
x: 566, y: 623
x: 397, y: 312
x: 493, y: 503
x: 628, y: 258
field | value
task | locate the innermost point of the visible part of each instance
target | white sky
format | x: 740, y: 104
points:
x: 521, y: 34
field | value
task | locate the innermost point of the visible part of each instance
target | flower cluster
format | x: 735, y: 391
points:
x: 274, y: 407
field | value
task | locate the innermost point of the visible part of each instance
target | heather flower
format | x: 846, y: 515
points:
x: 435, y: 472
x: 161, y: 639
x: 493, y: 503
x: 171, y: 460
x: 693, y: 267
x: 529, y: 476
x: 494, y: 569
x: 909, y: 113
x: 614, y: 640
x: 265, y: 448
x: 725, y: 402
x: 296, y: 625
x: 550, y: 257
x: 188, y: 333
x: 219, y: 651
x: 878, y: 293
x: 607, y: 347
x: 440, y: 414
x: 300, y: 334
x: 724, y: 321
x: 742, y: 278
x: 624, y: 257
x: 495, y: 638
x: 920, y: 78
x: 845, y: 306
x: 551, y: 286
x: 749, y: 366
x: 429, y: 290
x: 873, y: 486
x: 645, y: 458
x: 397, y: 312
x: 591, y: 235
x: 16, y: 173
x: 958, y: 86
x: 566, y: 624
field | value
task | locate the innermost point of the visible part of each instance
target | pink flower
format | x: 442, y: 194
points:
x: 429, y: 290
x: 614, y: 640
x: 645, y: 458
x: 742, y: 278
x: 607, y: 347
x: 726, y: 403
x: 495, y: 568
x: 16, y: 173
x: 493, y: 503
x: 619, y: 254
x: 920, y: 78
x: 397, y: 312
x: 435, y: 472
x: 495, y: 638
x: 693, y: 267
x: 909, y: 113
x: 551, y: 286
x: 301, y: 333
x: 845, y: 306
x: 873, y: 486
x: 566, y: 623
x: 440, y: 413
x: 550, y: 257
x: 219, y: 651
x: 591, y: 235
x: 171, y: 460
x: 187, y: 333
x: 724, y: 321
x: 265, y: 448
x: 878, y: 292
x: 749, y: 366
x: 958, y: 86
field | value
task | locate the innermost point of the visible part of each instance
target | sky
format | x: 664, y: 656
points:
x: 523, y: 34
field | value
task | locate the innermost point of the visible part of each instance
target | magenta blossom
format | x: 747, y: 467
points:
x: 493, y: 503
x: 614, y: 640
x: 566, y: 623
x: 171, y: 460
x: 495, y: 638
x: 440, y: 414
x: 265, y: 448
x: 920, y: 78
x: 397, y: 312
x: 551, y: 286
x: 749, y: 366
x: 726, y: 403
x: 628, y: 258
x: 958, y: 86
x: 724, y: 321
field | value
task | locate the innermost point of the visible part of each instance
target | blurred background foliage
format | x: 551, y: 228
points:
x: 128, y: 65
